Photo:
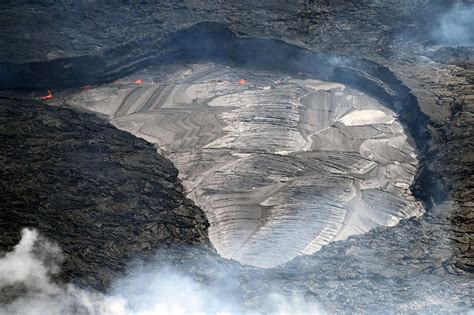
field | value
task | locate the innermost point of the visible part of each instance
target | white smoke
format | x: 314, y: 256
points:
x: 456, y: 27
x: 26, y: 273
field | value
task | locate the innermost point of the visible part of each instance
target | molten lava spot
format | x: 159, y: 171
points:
x: 47, y: 97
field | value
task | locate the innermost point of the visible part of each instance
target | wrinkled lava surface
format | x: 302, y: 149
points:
x: 281, y: 165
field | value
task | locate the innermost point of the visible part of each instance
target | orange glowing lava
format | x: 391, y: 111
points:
x: 138, y: 82
x: 242, y: 81
x: 47, y: 97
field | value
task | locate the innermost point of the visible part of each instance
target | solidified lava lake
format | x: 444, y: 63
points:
x: 281, y: 164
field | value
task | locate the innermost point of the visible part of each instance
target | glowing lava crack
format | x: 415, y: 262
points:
x: 280, y: 165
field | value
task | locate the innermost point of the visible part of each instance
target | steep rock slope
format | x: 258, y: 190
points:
x: 105, y: 196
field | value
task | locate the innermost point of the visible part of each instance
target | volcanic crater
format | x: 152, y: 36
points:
x: 285, y: 150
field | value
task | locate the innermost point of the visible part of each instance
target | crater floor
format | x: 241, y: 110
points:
x: 281, y: 165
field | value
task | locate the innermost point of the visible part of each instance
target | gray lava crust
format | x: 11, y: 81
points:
x: 280, y: 165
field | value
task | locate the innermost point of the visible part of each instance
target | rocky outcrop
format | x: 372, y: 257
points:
x: 102, y: 194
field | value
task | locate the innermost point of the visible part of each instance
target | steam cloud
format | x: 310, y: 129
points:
x: 26, y: 274
x: 456, y: 27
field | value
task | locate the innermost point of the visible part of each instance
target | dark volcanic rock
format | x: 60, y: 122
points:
x: 103, y: 195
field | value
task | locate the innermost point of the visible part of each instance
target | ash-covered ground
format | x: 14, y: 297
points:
x: 125, y: 237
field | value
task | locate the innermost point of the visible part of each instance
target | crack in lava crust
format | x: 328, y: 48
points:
x: 280, y: 165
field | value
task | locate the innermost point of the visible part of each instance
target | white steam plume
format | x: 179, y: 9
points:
x: 26, y: 274
x: 456, y: 27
